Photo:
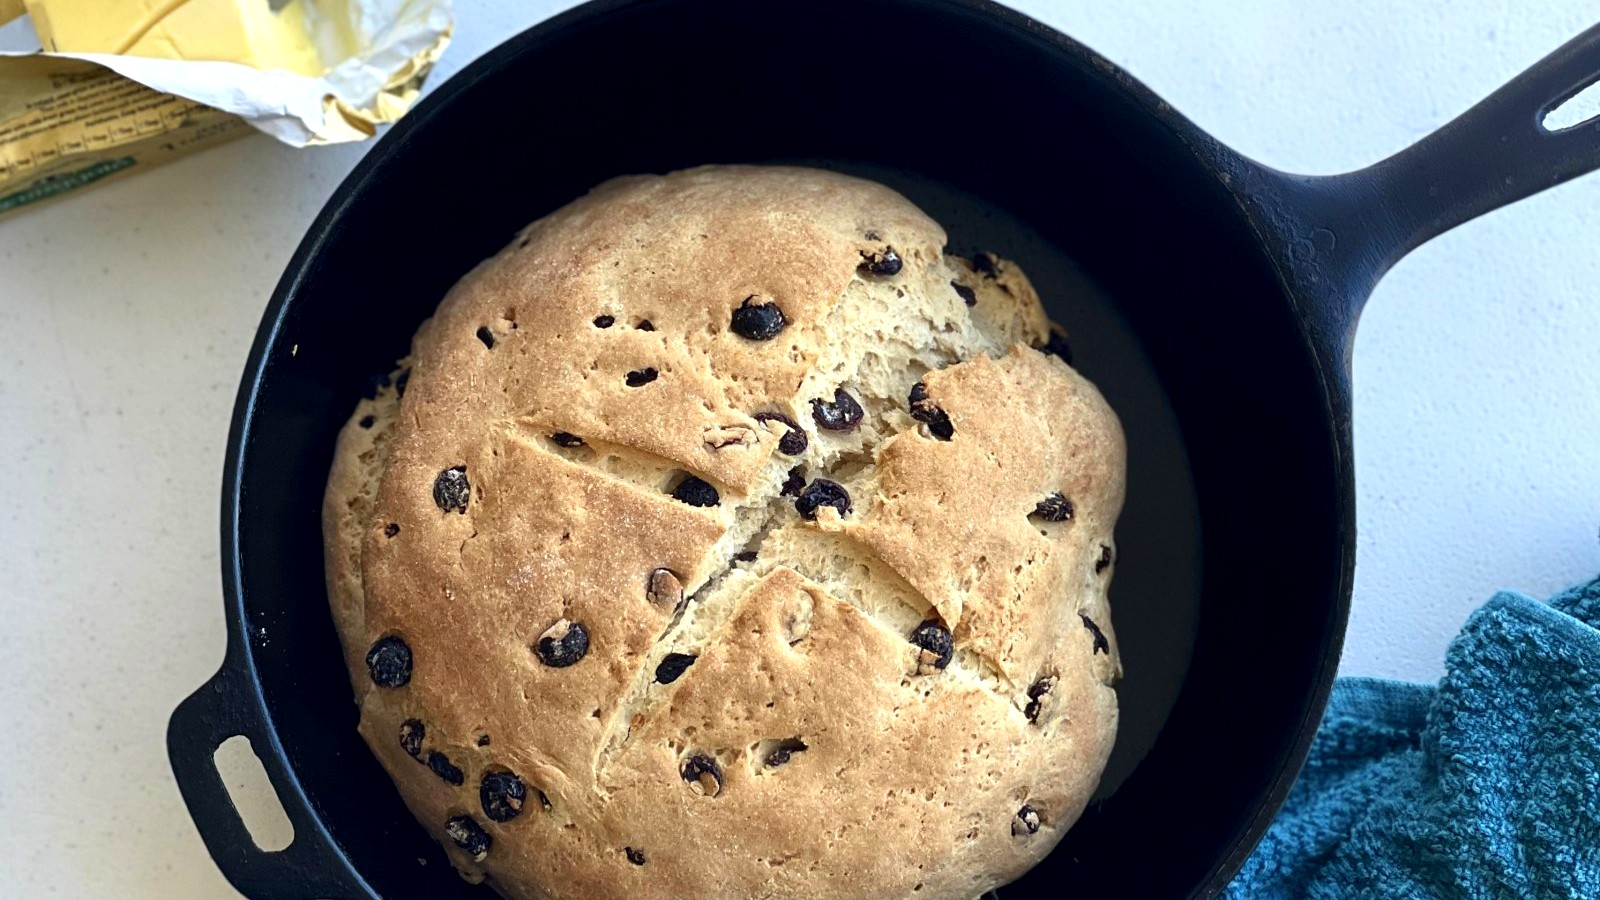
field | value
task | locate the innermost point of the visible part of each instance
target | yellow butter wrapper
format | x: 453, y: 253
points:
x: 125, y: 84
x: 308, y: 72
x: 67, y: 124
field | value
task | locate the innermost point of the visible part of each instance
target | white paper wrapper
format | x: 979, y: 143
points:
x: 397, y: 42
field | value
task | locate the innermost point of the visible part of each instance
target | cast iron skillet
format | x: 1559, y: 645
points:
x: 1212, y: 298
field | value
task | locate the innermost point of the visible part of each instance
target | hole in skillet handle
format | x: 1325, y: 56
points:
x: 1581, y: 108
x: 257, y: 804
x: 240, y: 794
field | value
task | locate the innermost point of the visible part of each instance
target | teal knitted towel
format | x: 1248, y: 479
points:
x: 1487, y: 786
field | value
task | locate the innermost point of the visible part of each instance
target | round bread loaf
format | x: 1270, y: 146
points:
x: 723, y: 537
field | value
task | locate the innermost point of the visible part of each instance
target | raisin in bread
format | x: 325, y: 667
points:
x: 723, y: 537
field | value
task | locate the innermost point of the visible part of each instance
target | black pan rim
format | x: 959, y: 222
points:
x: 1210, y: 154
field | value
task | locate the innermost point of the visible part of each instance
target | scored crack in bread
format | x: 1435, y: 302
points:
x: 722, y: 537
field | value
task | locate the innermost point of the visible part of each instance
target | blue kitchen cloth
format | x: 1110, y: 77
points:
x: 1487, y: 786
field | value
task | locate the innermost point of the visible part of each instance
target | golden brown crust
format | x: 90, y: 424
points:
x: 953, y: 517
x: 907, y: 784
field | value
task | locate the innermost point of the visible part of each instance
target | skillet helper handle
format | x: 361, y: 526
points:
x: 311, y: 866
x: 1494, y: 154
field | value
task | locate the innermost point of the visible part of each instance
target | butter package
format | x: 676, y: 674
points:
x: 245, y: 31
x: 121, y: 85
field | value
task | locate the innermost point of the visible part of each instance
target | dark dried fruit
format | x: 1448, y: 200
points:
x: 564, y: 644
x: 664, y: 589
x: 937, y: 646
x: 375, y: 384
x: 1058, y: 346
x: 1101, y: 645
x: 487, y: 336
x: 604, y: 321
x: 924, y: 410
x: 1054, y: 508
x: 389, y: 662
x: 986, y: 264
x: 444, y: 768
x: 391, y: 529
x: 745, y: 556
x: 567, y: 439
x: 882, y: 263
x: 646, y: 325
x: 673, y: 665
x: 466, y: 833
x: 400, y: 382
x: 1026, y: 822
x: 820, y: 493
x: 843, y: 414
x: 968, y: 295
x: 1104, y: 562
x: 502, y: 795
x: 483, y: 740
x: 412, y: 731
x: 640, y: 377
x: 696, y: 492
x: 784, y: 752
x: 1036, y: 694
x: 368, y: 421
x: 452, y: 490
x: 757, y: 321
x: 703, y: 775
x: 794, y: 484
x: 794, y: 441
x: 634, y: 856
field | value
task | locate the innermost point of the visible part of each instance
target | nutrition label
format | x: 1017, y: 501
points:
x: 86, y: 111
x: 66, y: 123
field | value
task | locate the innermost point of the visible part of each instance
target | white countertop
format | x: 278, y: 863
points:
x: 126, y: 313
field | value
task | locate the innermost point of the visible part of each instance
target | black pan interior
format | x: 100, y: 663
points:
x: 1230, y: 546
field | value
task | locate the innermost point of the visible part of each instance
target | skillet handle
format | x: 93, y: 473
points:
x: 1494, y: 154
x: 312, y: 865
x: 1335, y: 236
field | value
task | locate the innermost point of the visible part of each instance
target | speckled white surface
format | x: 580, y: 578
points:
x: 126, y: 313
